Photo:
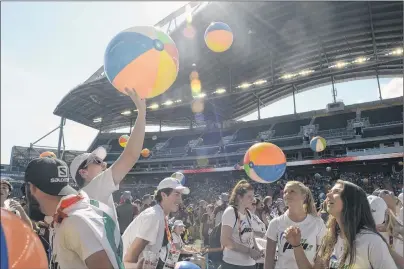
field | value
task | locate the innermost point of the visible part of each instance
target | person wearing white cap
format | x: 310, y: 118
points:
x: 149, y: 232
x: 177, y: 230
x: 89, y: 169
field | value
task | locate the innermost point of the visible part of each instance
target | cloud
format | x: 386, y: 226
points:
x: 392, y: 89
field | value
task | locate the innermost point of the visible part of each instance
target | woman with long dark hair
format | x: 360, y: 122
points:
x: 352, y: 240
x: 237, y: 237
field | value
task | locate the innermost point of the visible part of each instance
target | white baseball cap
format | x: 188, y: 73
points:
x: 99, y: 153
x: 378, y: 207
x: 179, y: 223
x: 172, y: 183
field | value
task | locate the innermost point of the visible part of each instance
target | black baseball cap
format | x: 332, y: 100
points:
x: 50, y: 175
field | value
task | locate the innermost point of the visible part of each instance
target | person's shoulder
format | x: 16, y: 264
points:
x: 229, y: 209
x: 104, y: 175
x: 369, y: 237
x: 316, y: 219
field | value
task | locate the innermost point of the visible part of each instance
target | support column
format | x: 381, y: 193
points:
x: 130, y: 126
x: 62, y: 123
x: 259, y: 108
x: 160, y: 126
x: 334, y: 91
x: 378, y: 85
x: 294, y: 98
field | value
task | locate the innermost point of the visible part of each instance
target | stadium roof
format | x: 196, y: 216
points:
x: 279, y: 48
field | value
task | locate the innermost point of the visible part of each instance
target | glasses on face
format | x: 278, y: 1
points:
x: 94, y: 161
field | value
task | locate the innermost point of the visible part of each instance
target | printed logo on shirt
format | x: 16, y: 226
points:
x: 334, y: 264
x: 306, y: 246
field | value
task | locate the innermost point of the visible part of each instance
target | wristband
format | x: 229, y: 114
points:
x: 297, y: 246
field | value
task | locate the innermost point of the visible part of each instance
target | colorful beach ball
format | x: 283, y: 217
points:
x: 143, y: 58
x: 186, y: 265
x: 264, y: 162
x: 180, y: 176
x: 318, y: 144
x: 20, y: 247
x: 47, y: 154
x: 218, y: 37
x: 145, y: 153
x: 123, y: 140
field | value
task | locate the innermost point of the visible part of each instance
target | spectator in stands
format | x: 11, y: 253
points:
x: 207, y: 223
x: 146, y: 201
x: 78, y: 239
x: 89, y: 169
x: 150, y: 231
x: 266, y: 211
x: 10, y: 204
x: 125, y: 211
x: 221, y: 206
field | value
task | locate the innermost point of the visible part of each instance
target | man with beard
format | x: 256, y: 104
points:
x: 149, y: 232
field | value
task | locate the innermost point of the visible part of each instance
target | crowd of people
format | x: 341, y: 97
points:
x: 304, y: 222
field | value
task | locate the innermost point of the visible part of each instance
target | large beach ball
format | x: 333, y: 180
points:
x: 318, y: 144
x: 264, y: 162
x: 218, y: 37
x: 47, y: 154
x: 123, y: 140
x: 143, y: 58
x: 20, y: 247
x: 180, y: 176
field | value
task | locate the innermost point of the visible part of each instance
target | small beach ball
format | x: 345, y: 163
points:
x: 318, y: 144
x: 264, y: 162
x: 143, y: 58
x: 218, y: 37
x: 123, y: 140
x: 20, y: 247
x: 47, y: 154
x: 179, y: 176
x: 145, y: 153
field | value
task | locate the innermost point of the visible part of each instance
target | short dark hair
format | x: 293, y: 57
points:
x: 158, y: 196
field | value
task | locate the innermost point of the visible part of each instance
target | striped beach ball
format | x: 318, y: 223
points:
x: 264, y: 162
x: 318, y: 144
x: 123, y: 140
x: 180, y: 176
x: 143, y: 58
x: 218, y: 37
x: 20, y: 247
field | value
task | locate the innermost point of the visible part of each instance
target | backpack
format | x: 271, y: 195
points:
x: 214, y: 238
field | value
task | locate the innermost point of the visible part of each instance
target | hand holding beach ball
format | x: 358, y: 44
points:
x: 218, y: 37
x: 123, y: 140
x: 264, y: 162
x: 318, y: 144
x: 143, y: 58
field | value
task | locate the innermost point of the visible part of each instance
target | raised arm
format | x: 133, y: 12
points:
x: 131, y: 153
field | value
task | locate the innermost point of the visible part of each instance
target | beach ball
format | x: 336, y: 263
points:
x: 318, y: 144
x: 20, y: 247
x: 123, y: 140
x: 328, y: 169
x: 145, y: 153
x: 143, y: 58
x: 317, y: 176
x: 186, y: 265
x: 47, y: 154
x: 264, y: 162
x: 218, y: 37
x: 180, y: 176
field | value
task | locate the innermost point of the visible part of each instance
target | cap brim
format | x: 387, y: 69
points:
x: 67, y: 190
x: 183, y: 190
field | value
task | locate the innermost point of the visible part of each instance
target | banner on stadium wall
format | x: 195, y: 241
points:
x: 306, y: 162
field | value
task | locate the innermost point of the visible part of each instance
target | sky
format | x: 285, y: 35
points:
x: 48, y: 48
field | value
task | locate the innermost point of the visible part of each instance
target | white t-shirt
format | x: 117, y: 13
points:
x: 74, y: 241
x: 257, y: 224
x: 177, y: 239
x: 371, y: 253
x: 241, y: 230
x: 148, y: 225
x: 101, y: 189
x: 312, y: 229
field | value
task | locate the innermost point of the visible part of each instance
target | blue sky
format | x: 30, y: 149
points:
x: 50, y: 47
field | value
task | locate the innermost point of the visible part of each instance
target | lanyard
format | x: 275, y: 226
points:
x: 169, y: 237
x: 239, y: 225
